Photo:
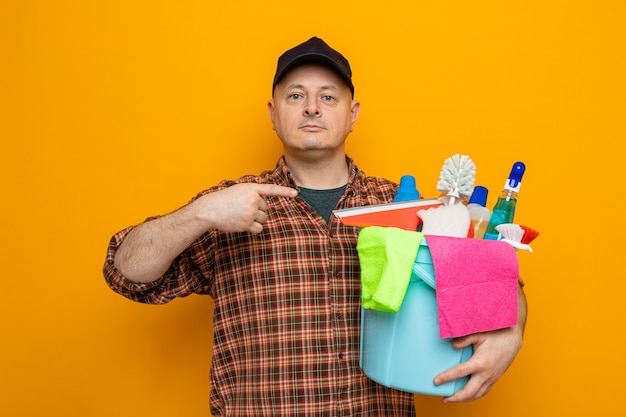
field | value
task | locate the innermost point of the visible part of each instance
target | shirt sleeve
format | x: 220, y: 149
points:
x: 184, y: 276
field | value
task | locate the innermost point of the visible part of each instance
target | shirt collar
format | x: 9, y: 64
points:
x: 283, y: 175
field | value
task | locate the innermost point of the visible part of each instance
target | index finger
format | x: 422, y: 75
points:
x: 267, y: 190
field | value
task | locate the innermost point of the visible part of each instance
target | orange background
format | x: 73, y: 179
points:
x: 112, y: 111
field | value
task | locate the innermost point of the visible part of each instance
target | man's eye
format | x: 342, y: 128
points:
x: 328, y: 98
x: 295, y: 96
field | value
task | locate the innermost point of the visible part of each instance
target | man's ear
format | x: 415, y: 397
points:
x: 354, y: 111
x: 270, y: 110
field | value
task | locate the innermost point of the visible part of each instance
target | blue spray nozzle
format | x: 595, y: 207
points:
x: 407, y: 190
x: 515, y: 177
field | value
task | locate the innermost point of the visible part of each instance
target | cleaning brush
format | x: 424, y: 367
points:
x: 457, y: 177
x: 517, y: 236
x: 529, y: 234
x: 457, y: 181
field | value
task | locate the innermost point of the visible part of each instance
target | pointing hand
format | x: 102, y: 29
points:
x: 240, y: 208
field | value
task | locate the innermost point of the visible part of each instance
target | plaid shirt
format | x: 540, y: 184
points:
x: 287, y: 308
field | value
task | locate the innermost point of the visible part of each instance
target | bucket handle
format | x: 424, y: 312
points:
x: 424, y: 275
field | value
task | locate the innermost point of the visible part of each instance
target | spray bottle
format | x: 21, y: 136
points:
x: 504, y: 210
x: 479, y: 214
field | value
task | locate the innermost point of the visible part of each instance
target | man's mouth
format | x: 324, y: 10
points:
x: 309, y: 127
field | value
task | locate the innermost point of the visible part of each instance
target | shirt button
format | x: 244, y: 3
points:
x: 340, y: 356
x: 337, y: 274
x: 339, y: 316
x: 343, y: 396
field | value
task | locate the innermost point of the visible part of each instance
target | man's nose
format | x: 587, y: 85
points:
x: 311, y: 107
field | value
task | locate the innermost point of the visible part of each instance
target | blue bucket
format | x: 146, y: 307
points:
x: 404, y: 350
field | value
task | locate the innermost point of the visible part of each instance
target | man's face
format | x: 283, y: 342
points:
x: 312, y: 111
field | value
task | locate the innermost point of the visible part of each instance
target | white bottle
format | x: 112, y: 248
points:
x: 479, y: 213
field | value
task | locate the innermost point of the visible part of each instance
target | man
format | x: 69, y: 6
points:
x: 283, y: 272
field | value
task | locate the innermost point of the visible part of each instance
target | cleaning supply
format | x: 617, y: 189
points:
x: 456, y: 182
x: 529, y: 234
x: 407, y: 190
x: 456, y: 179
x: 476, y: 284
x: 451, y: 220
x: 399, y: 214
x: 386, y: 255
x: 479, y: 213
x: 504, y: 210
x: 517, y: 235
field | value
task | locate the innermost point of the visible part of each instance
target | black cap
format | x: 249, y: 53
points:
x: 314, y: 51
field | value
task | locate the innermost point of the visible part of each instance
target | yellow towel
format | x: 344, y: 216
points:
x: 387, y: 255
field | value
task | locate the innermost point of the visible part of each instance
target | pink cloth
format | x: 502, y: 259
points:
x: 476, y: 284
